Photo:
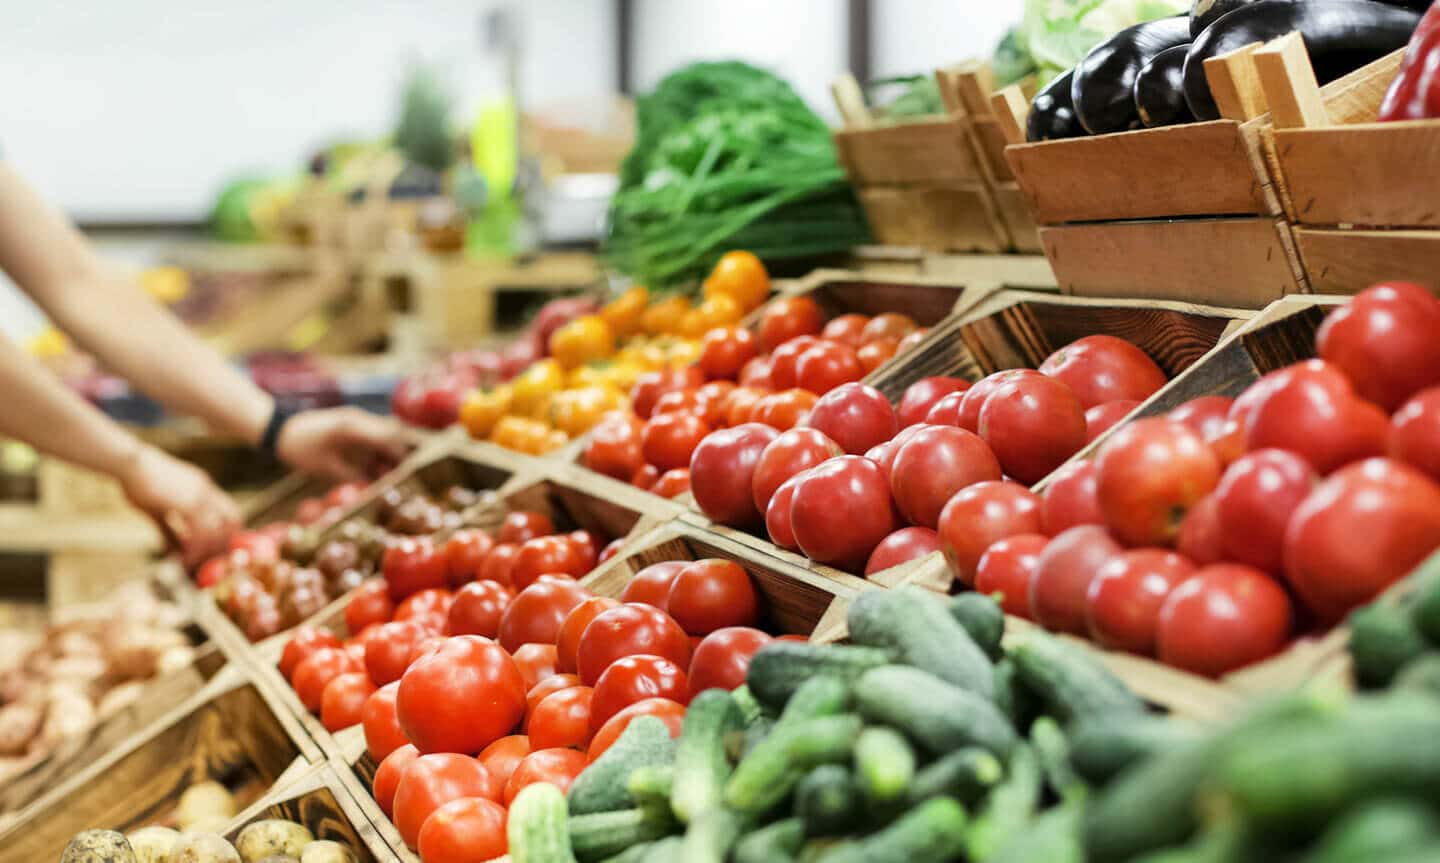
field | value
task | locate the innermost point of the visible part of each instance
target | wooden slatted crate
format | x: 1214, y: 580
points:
x: 319, y: 800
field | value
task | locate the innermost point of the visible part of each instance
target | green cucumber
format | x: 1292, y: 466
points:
x: 1383, y: 639
x: 1224, y: 842
x: 884, y: 763
x: 701, y: 767
x: 1054, y: 837
x: 536, y: 826
x: 650, y: 785
x: 819, y: 696
x: 828, y: 801
x: 748, y: 739
x: 633, y: 854
x: 1425, y: 605
x: 1013, y: 697
x: 711, y: 834
x: 915, y: 623
x: 771, y: 770
x: 601, y: 787
x: 777, y: 842
x: 779, y: 668
x: 933, y: 832
x: 1052, y: 750
x: 1421, y: 675
x: 1070, y: 681
x: 663, y: 851
x: 1009, y: 807
x: 966, y: 774
x: 1377, y: 830
x: 938, y: 716
x: 750, y: 709
x: 1100, y: 749
x: 982, y: 617
x: 603, y: 834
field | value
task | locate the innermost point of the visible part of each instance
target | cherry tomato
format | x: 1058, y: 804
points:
x: 1070, y: 498
x: 471, y: 828
x: 305, y: 641
x: 678, y: 402
x: 840, y: 511
x: 499, y: 563
x: 672, y: 483
x: 980, y: 514
x: 632, y: 679
x: 1415, y: 433
x: 650, y: 386
x: 1034, y: 425
x: 1061, y: 583
x: 1006, y: 569
x: 934, y: 464
x: 672, y: 713
x: 211, y: 573
x: 461, y: 697
x: 314, y: 673
x: 785, y: 456
x: 887, y: 325
x: 477, y: 609
x: 587, y: 545
x: 1311, y: 410
x: 777, y: 514
x: 388, y: 648
x: 535, y: 661
x: 1148, y: 475
x: 546, y: 555
x: 383, y: 734
x: 669, y: 440
x: 504, y: 755
x: 562, y: 719
x: 1199, y: 538
x: 922, y: 395
x: 424, y: 605
x: 567, y: 643
x: 614, y: 446
x: 785, y: 409
x: 786, y: 318
x: 1254, y: 501
x: 342, y: 704
x: 712, y: 401
x: 946, y: 411
x: 722, y: 473
x: 262, y: 548
x: 387, y: 776
x: 1206, y: 414
x: 1123, y: 604
x: 873, y: 354
x: 974, y: 399
x: 537, y: 612
x: 712, y: 594
x: 722, y: 658
x: 1103, y: 417
x: 558, y: 767
x: 741, y: 403
x: 646, y: 477
x: 412, y: 564
x: 846, y: 329
x: 1103, y: 369
x: 625, y: 631
x: 1221, y: 618
x: 433, y: 780
x: 826, y: 365
x: 610, y: 550
x: 756, y: 373
x: 726, y: 350
x: 465, y: 553
x: 1384, y: 341
x: 855, y: 416
x: 902, y: 546
x: 651, y: 585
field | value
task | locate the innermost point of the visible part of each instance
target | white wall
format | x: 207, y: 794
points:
x: 918, y: 36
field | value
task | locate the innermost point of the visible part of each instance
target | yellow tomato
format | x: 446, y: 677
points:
x: 520, y: 434
x: 741, y: 275
x: 622, y: 375
x: 623, y: 313
x: 482, y: 409
x: 576, y: 411
x: 684, y: 352
x: 720, y: 310
x: 530, y: 388
x: 588, y: 375
x: 664, y: 316
x: 582, y: 340
x: 551, y: 442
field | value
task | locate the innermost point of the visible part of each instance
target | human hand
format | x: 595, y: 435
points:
x: 195, y: 516
x: 343, y: 444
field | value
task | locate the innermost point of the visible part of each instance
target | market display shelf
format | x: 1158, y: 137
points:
x: 318, y: 800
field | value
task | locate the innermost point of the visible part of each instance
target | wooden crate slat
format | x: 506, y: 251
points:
x: 923, y: 151
x: 942, y: 218
x: 317, y: 799
x: 1376, y: 174
x: 1346, y: 261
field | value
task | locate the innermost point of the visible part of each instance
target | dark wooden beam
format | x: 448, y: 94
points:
x: 625, y: 45
x: 858, y: 37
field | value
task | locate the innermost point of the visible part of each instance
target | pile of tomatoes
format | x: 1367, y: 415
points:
x: 1211, y: 536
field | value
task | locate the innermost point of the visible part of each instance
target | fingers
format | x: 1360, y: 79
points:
x: 380, y: 434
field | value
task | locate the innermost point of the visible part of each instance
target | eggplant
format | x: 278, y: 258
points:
x: 1203, y: 13
x: 1102, y: 89
x: 1340, y: 35
x: 1159, y: 94
x: 1051, y: 113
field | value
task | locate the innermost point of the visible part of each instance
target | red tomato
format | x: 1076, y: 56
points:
x: 387, y: 776
x: 787, y: 455
x: 546, y: 555
x: 631, y: 679
x: 471, y: 828
x: 980, y: 514
x: 712, y: 594
x: 342, y: 704
x: 756, y: 373
x: 388, y: 648
x: 1103, y: 369
x: 424, y: 647
x: 974, y: 399
x: 433, y: 780
x: 1063, y: 574
x: 461, y: 697
x: 465, y: 553
x: 1384, y: 341
x: 946, y: 411
x: 1034, y: 425
x: 855, y: 416
x: 1221, y: 618
x: 610, y: 550
x: 846, y: 329
x: 212, y: 572
x: 726, y: 350
x: 669, y: 440
x: 722, y: 658
x: 1148, y: 475
x: 784, y: 362
x: 672, y: 713
x: 429, y: 603
x: 911, y: 340
x: 646, y: 477
x: 477, y: 609
x: 552, y: 684
x: 902, y: 546
x: 783, y: 410
x: 712, y: 400
x: 884, y: 454
x: 841, y: 510
x: 499, y: 562
x: 891, y: 325
x: 672, y: 483
x: 305, y: 641
x: 504, y: 755
x: 587, y: 545
x: 651, y: 585
x: 614, y: 446
x: 536, y: 662
x: 1415, y: 433
x: 625, y: 631
x: 562, y: 719
x: 1228, y: 443
x: 1070, y: 498
x: 383, y: 734
x: 1123, y: 604
x: 557, y: 767
x: 740, y: 404
x: 1199, y: 538
x: 1362, y: 529
x: 567, y: 643
x: 536, y: 613
x: 1007, y: 568
x: 922, y: 395
x: 1101, y: 418
x: 314, y: 673
x: 786, y: 318
x: 825, y: 366
x: 678, y: 402
x: 934, y: 464
x: 872, y: 355
x: 777, y: 514
x: 1206, y: 414
x: 262, y: 548
x: 650, y: 386
x: 722, y: 473
x: 1311, y: 409
x: 1253, y: 504
x: 412, y: 564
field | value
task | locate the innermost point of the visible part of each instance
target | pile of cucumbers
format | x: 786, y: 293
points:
x: 1395, y: 641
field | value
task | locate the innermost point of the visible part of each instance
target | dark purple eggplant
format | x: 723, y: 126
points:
x: 1159, y: 90
x: 1103, y: 86
x: 1203, y: 13
x: 1051, y: 114
x: 1340, y: 35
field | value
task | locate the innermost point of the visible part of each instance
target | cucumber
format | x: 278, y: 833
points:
x: 1421, y: 675
x: 748, y: 739
x: 1052, y: 750
x: 663, y: 851
x: 933, y: 832
x: 982, y: 618
x: 1009, y: 807
x: 1383, y: 639
x: 1377, y: 830
x: 777, y: 842
x: 770, y: 772
x: 711, y: 835
x: 1100, y: 749
x: 701, y: 767
x: 1225, y: 842
x: 780, y: 667
x: 650, y: 785
x: 603, y: 834
x: 1071, y: 682
x: 828, y: 801
x: 938, y: 716
x: 750, y: 709
x: 633, y: 854
x: 601, y: 787
x: 914, y: 622
x: 536, y: 826
x: 1054, y: 837
x: 1013, y: 697
x: 965, y: 774
x: 1425, y: 607
x: 884, y: 763
x: 819, y: 696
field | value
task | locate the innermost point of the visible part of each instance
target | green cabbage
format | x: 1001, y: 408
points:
x: 1059, y: 33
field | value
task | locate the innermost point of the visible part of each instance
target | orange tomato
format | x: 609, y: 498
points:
x: 740, y: 403
x: 575, y: 412
x: 717, y: 311
x: 741, y: 275
x: 787, y: 318
x: 521, y: 434
x: 623, y: 314
x: 783, y: 410
x: 482, y: 409
x: 663, y: 316
x: 876, y: 352
x: 725, y: 351
x: 532, y: 387
x: 583, y: 340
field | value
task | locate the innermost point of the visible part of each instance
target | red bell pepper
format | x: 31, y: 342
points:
x: 1415, y: 92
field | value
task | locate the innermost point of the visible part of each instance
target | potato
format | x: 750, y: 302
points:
x: 117, y: 698
x: 203, y: 848
x: 325, y: 851
x: 272, y: 837
x: 210, y: 824
x: 19, y: 724
x: 202, y: 800
x: 280, y: 858
x: 69, y: 715
x: 154, y: 844
x: 174, y: 659
x: 98, y: 846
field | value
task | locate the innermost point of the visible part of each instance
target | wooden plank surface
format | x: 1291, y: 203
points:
x: 1375, y: 174
x: 1347, y: 262
x: 940, y: 218
x: 925, y: 151
x: 1015, y: 214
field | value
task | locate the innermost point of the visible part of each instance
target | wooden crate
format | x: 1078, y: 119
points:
x: 320, y: 800
x: 1030, y: 271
